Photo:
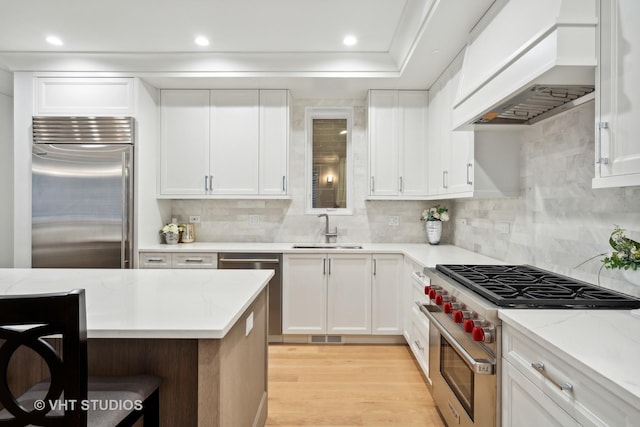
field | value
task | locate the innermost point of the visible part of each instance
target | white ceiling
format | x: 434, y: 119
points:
x: 295, y: 44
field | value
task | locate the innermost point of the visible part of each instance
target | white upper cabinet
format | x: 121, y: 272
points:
x: 464, y: 163
x: 224, y: 143
x: 450, y: 152
x: 64, y: 96
x: 274, y: 141
x: 617, y: 104
x: 184, y: 161
x: 234, y: 142
x: 397, y: 144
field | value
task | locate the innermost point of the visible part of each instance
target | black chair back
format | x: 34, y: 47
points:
x: 24, y: 321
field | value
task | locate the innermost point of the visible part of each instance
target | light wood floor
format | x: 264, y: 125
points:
x: 347, y: 385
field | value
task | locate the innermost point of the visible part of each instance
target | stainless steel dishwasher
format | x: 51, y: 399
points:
x: 261, y: 261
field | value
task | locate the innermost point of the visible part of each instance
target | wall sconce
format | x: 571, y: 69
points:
x: 329, y: 179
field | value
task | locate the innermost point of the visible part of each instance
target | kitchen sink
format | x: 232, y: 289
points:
x: 325, y: 246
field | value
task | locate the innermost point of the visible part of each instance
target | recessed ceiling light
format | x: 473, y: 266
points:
x: 201, y: 41
x: 349, y: 40
x: 342, y: 132
x: 56, y: 41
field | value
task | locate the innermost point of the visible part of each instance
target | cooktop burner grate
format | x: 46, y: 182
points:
x: 524, y: 286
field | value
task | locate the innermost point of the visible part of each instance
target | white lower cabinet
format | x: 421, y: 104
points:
x: 178, y: 260
x: 542, y: 387
x: 349, y: 294
x: 386, y: 295
x: 416, y: 325
x: 326, y: 294
x: 525, y: 405
x: 342, y: 294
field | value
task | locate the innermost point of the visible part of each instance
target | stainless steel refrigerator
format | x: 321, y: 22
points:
x: 82, y: 192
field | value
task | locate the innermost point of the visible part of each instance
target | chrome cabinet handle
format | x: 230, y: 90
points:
x: 539, y: 366
x: 194, y: 260
x: 401, y: 185
x: 469, y: 181
x: 206, y: 187
x: 324, y: 266
x: 329, y: 270
x: 373, y: 185
x: 284, y: 184
x: 155, y: 260
x: 211, y: 182
x: 444, y: 179
x: 417, y: 343
x: 599, y: 159
x: 375, y: 267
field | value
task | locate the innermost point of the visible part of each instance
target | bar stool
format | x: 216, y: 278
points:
x: 69, y: 398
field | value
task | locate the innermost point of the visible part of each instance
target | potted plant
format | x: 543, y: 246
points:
x: 171, y: 233
x: 625, y: 255
x: 434, y: 217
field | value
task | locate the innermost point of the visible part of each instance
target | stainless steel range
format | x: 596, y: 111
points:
x: 465, y: 333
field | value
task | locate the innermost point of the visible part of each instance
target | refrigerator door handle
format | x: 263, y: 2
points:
x: 125, y: 209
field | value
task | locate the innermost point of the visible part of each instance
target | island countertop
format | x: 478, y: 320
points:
x: 189, y: 304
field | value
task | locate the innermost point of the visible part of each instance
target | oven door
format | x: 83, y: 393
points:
x: 463, y: 373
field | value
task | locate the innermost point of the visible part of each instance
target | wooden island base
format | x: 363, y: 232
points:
x: 206, y: 382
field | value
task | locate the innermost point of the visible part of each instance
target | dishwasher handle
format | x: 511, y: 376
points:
x: 243, y: 260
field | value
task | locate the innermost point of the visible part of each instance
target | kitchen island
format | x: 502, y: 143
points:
x: 203, y: 331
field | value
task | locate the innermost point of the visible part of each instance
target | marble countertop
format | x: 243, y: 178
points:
x: 604, y: 342
x: 424, y: 254
x: 192, y: 304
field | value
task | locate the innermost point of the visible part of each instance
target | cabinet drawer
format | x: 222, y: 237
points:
x: 155, y: 260
x: 589, y: 401
x: 420, y: 339
x: 195, y: 260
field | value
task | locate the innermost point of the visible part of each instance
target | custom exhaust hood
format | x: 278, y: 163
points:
x: 527, y: 61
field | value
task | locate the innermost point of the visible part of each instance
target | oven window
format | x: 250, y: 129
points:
x: 457, y: 374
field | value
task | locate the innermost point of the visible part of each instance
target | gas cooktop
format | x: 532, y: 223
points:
x: 524, y: 286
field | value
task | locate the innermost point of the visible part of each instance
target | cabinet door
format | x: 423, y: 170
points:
x: 349, y: 294
x: 184, y: 141
x: 383, y: 143
x: 234, y: 141
x: 412, y: 118
x: 387, y: 295
x: 84, y: 96
x: 438, y: 141
x: 525, y: 405
x: 304, y: 300
x: 274, y: 141
x: 618, y: 106
x: 460, y: 175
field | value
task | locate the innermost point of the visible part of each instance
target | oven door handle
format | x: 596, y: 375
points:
x: 481, y: 366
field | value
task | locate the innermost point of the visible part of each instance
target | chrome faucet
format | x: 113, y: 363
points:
x: 328, y: 235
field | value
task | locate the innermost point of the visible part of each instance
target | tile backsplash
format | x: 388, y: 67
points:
x: 558, y: 221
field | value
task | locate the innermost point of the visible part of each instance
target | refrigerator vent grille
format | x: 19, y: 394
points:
x: 83, y: 130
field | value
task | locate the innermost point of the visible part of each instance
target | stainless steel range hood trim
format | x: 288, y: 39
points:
x: 553, y: 58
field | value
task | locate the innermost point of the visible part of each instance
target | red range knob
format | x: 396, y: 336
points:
x: 432, y: 293
x: 468, y: 325
x: 427, y: 289
x: 477, y: 334
x: 438, y: 299
x: 446, y: 307
x: 458, y: 317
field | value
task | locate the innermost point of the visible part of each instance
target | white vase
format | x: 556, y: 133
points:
x: 434, y: 232
x: 171, y: 238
